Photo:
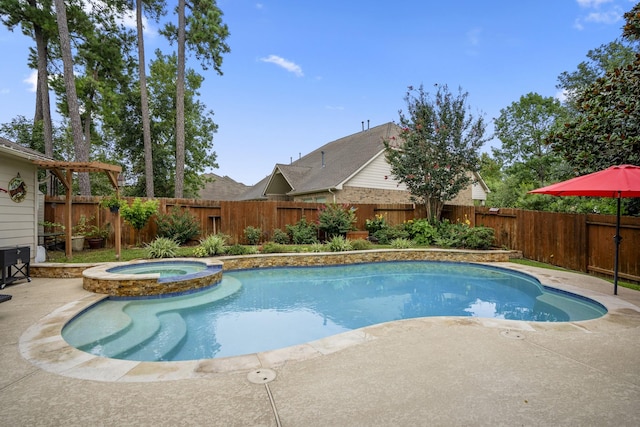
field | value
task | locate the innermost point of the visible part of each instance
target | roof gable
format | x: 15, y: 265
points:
x: 329, y: 166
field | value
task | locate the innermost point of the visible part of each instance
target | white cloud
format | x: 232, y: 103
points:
x: 334, y: 107
x: 561, y: 95
x: 292, y: 67
x: 129, y: 21
x: 32, y: 81
x: 473, y: 36
x: 610, y: 17
x: 613, y: 15
x: 592, y: 3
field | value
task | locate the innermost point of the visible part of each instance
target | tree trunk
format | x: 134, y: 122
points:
x: 81, y: 146
x: 180, y: 136
x: 144, y: 106
x: 43, y: 106
x: 434, y: 209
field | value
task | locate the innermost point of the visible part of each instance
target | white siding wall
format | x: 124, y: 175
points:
x: 376, y: 174
x: 478, y: 193
x: 18, y: 221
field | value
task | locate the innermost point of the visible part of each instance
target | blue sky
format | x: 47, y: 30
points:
x: 304, y: 73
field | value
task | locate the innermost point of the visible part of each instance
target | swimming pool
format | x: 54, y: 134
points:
x: 252, y: 311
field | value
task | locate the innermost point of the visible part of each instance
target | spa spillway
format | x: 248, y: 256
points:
x: 148, y: 278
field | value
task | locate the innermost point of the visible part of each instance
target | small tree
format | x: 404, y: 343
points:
x: 138, y: 214
x: 437, y: 148
x: 335, y: 219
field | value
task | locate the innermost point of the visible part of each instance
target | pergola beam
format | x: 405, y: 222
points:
x: 64, y: 172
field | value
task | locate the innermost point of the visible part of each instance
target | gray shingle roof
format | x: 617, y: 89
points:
x: 21, y: 151
x: 342, y: 159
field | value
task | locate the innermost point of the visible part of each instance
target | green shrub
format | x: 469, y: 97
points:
x: 385, y: 235
x: 339, y: 244
x: 273, y: 248
x: 211, y: 245
x: 336, y: 220
x: 317, y: 247
x: 280, y: 236
x: 238, y: 250
x: 138, y: 214
x: 253, y: 235
x: 360, y: 245
x: 401, y: 243
x: 450, y: 235
x: 461, y: 235
x: 179, y: 224
x: 375, y: 224
x: 479, y: 238
x: 421, y: 231
x: 303, y: 232
x: 162, y: 247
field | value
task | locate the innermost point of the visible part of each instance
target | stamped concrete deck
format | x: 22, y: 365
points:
x: 432, y: 371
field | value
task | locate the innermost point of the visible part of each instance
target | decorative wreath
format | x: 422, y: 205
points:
x: 17, y: 189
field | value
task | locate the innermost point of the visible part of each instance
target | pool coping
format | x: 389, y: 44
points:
x: 100, y: 280
x: 42, y: 343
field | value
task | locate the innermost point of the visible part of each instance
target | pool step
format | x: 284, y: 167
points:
x: 137, y: 333
x: 100, y: 331
x: 170, y: 335
x: 574, y: 309
x: 125, y: 337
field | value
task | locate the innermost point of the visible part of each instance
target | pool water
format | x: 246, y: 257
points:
x: 164, y: 268
x: 258, y: 310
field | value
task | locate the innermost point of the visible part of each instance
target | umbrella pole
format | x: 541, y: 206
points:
x: 617, y: 239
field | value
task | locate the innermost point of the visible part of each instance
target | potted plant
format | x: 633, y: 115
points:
x: 96, y: 236
x: 112, y: 203
x: 79, y: 231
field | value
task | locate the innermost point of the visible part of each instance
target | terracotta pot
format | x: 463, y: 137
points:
x: 95, y: 243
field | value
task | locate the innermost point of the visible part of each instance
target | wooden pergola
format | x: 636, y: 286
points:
x: 64, y: 172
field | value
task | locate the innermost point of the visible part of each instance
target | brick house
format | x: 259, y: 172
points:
x: 352, y: 169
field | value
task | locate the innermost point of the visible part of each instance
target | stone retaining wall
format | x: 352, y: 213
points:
x: 354, y: 257
x: 57, y: 270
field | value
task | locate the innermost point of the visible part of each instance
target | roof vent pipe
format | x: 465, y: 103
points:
x: 363, y: 126
x: 322, y: 152
x: 367, y: 124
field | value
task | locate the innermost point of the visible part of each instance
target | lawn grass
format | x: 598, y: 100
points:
x: 109, y: 255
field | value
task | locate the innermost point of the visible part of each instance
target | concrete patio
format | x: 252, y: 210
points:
x: 431, y: 371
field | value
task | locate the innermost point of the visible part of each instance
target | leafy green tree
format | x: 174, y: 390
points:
x: 438, y: 147
x: 138, y: 213
x: 37, y: 21
x: 522, y: 128
x: 204, y: 33
x: 607, y: 57
x: 605, y: 130
x: 200, y: 130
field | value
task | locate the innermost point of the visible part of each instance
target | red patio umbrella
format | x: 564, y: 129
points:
x: 615, y: 182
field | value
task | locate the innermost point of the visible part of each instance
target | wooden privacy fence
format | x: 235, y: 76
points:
x: 226, y: 217
x: 582, y: 242
x: 573, y: 241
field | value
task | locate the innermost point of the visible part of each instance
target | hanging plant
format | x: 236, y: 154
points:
x: 112, y: 203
